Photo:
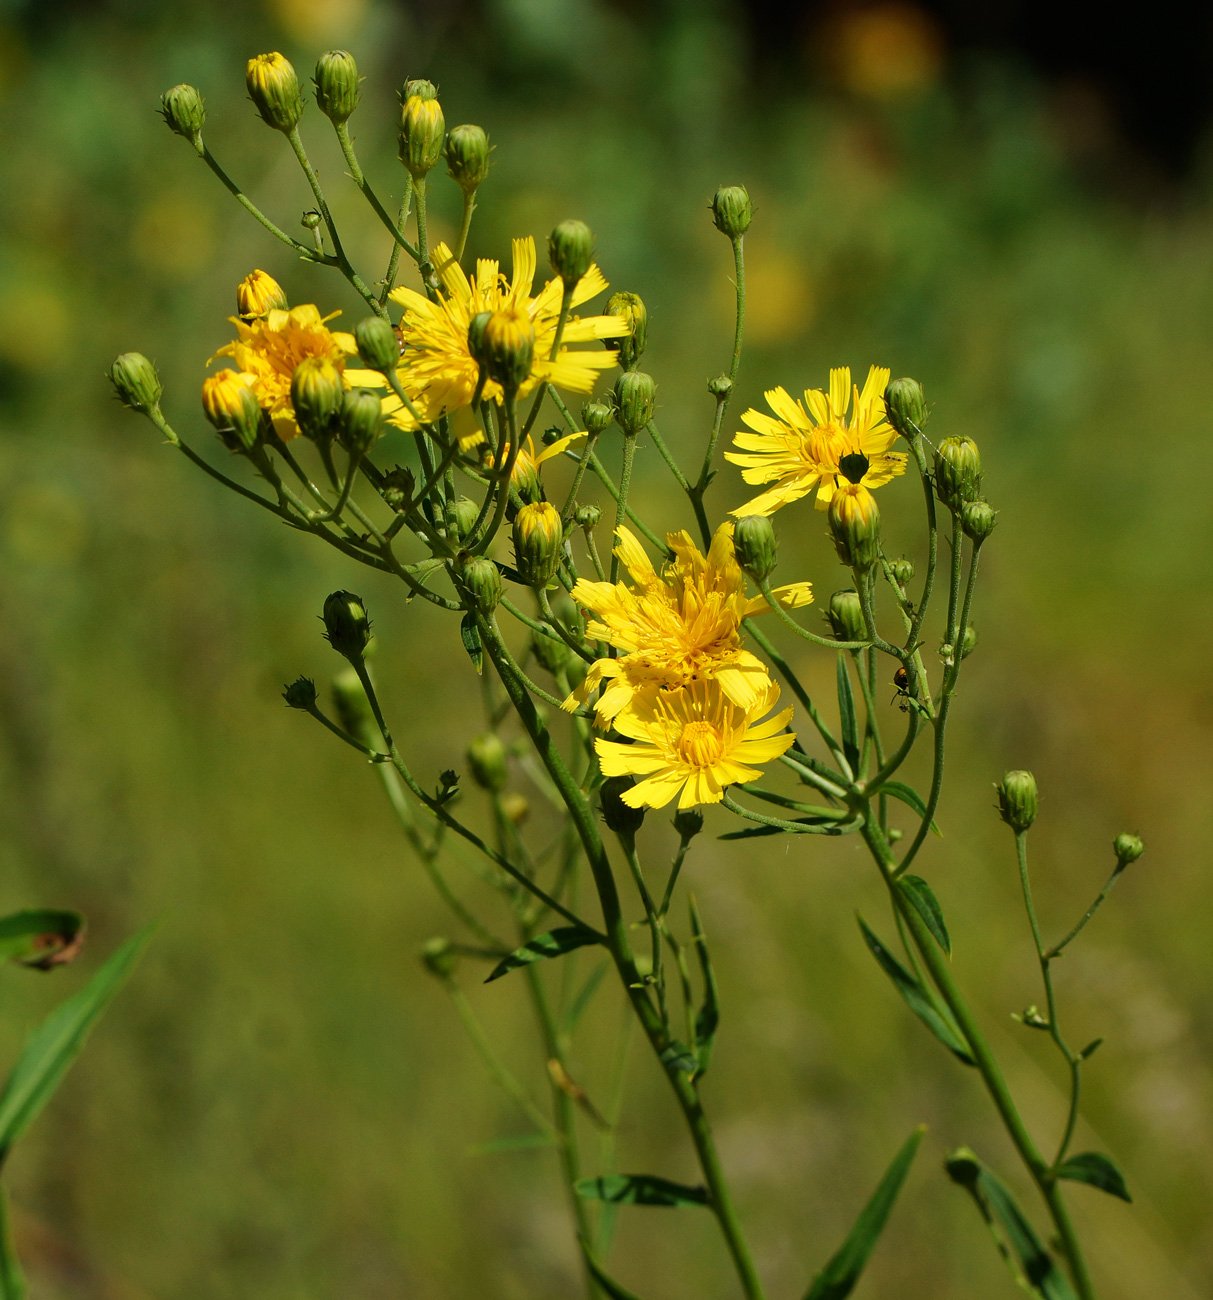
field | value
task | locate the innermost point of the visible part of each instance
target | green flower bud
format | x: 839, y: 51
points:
x: 336, y: 80
x: 620, y: 817
x: 902, y: 570
x: 571, y: 251
x: 467, y: 156
x: 486, y: 758
x: 274, y: 89
x: 397, y: 488
x: 629, y: 307
x: 378, y: 343
x: 977, y: 519
x: 183, y: 109
x: 419, y: 87
x: 317, y: 394
x: 844, y: 614
x: 732, y: 210
x: 136, y: 382
x: 538, y: 543
x: 1017, y: 800
x: 422, y: 129
x: 300, y: 694
x: 361, y: 419
x: 464, y: 513
x: 754, y: 546
x: 347, y: 628
x: 957, y: 472
x: 905, y: 405
x: 481, y: 579
x: 515, y: 807
x: 587, y: 516
x: 353, y: 709
x: 504, y: 346
x: 968, y: 641
x: 311, y: 220
x: 1128, y: 848
x: 231, y: 406
x: 439, y: 958
x: 855, y: 526
x: 721, y: 386
x: 635, y: 398
x: 688, y: 822
x: 257, y: 294
x: 596, y: 416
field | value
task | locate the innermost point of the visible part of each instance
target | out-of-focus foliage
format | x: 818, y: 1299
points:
x: 282, y: 1105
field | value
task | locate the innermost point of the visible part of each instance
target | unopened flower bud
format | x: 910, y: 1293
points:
x: 902, y: 570
x: 464, y: 513
x: 754, y: 546
x: 515, y: 807
x: 538, y: 543
x: 231, y: 406
x: 968, y: 641
x: 361, y: 419
x: 422, y: 128
x: 300, y: 694
x: 183, y: 109
x: 721, y: 386
x: 635, y: 398
x: 438, y: 957
x: 136, y: 382
x: 630, y: 308
x: 311, y: 220
x: 596, y: 416
x: 486, y: 758
x: 571, y: 251
x: 844, y: 614
x: 257, y: 294
x: 274, y: 89
x: 317, y: 393
x: 1128, y: 848
x: 688, y: 822
x: 620, y: 817
x: 481, y: 578
x: 336, y: 80
x: 1017, y: 800
x: 467, y: 156
x: 977, y: 520
x: 347, y: 628
x: 504, y: 345
x: 377, y: 343
x: 587, y: 516
x: 906, y: 406
x: 855, y: 526
x: 396, y: 488
x: 732, y: 210
x: 353, y: 709
x: 957, y: 472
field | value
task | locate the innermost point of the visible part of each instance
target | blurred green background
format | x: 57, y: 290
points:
x: 281, y: 1104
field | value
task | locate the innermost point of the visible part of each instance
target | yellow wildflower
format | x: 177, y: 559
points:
x: 524, y: 477
x: 693, y: 743
x: 801, y: 450
x: 270, y: 347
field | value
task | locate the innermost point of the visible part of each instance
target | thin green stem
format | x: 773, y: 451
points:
x: 394, y: 228
x: 308, y: 254
x: 621, y: 501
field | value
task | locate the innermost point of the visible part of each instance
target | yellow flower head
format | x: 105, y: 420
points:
x: 676, y: 627
x: 524, y: 477
x: 842, y: 436
x: 437, y: 370
x: 693, y: 743
x: 258, y: 293
x: 270, y: 347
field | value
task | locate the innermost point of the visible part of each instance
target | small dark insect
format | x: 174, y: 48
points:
x: 901, y: 681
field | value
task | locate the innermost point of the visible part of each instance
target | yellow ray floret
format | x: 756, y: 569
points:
x: 675, y: 627
x: 438, y: 372
x: 691, y: 744
x: 269, y: 348
x: 799, y: 450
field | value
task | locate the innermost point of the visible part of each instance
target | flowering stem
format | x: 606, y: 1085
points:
x: 465, y: 225
x: 621, y: 501
x: 1057, y: 948
x: 396, y: 230
x: 480, y: 537
x: 788, y: 621
x: 424, y: 264
x: 792, y: 828
x: 393, y: 262
x: 308, y: 254
x: 565, y: 635
x: 928, y: 582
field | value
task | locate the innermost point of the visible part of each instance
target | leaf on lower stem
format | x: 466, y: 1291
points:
x: 922, y: 898
x: 471, y: 641
x: 1096, y: 1171
x: 552, y: 943
x: 707, y: 1019
x: 846, y: 715
x: 839, y: 1276
x: 640, y: 1189
x: 908, y: 796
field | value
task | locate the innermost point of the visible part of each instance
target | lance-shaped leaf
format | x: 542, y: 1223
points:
x: 839, y: 1276
x: 552, y: 943
x: 707, y: 1018
x: 12, y: 1280
x: 41, y: 937
x: 1096, y: 1171
x: 55, y: 1044
x: 909, y: 796
x: 937, y: 1020
x: 846, y: 715
x: 999, y: 1208
x: 921, y: 898
x: 640, y: 1189
x: 472, y: 643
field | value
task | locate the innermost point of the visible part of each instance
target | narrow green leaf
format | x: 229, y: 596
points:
x: 908, y: 796
x: 846, y: 715
x: 471, y: 640
x: 553, y: 943
x: 1091, y: 1048
x: 916, y: 998
x: 922, y: 898
x: 608, y: 1284
x: 999, y: 1206
x: 839, y: 1276
x: 57, y: 1041
x: 640, y: 1189
x: 1096, y: 1171
x: 41, y: 937
x: 707, y: 1018
x: 12, y: 1280
x: 823, y: 825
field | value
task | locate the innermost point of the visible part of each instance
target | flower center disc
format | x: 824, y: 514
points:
x: 700, y: 744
